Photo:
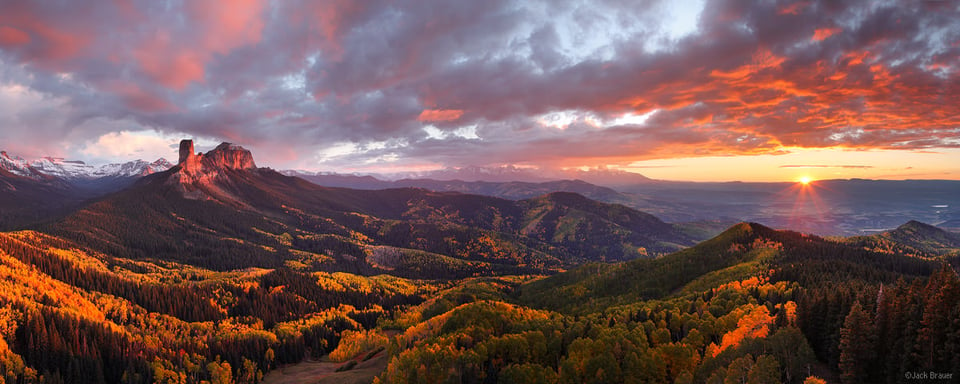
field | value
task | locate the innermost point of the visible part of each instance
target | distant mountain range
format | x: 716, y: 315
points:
x: 219, y: 210
x: 599, y: 176
x: 36, y: 190
x: 826, y: 207
x: 74, y: 170
x: 513, y: 190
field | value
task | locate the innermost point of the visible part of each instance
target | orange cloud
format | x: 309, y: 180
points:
x: 763, y: 104
x: 761, y: 60
x: 822, y: 34
x: 440, y: 114
x: 793, y: 9
x: 10, y: 36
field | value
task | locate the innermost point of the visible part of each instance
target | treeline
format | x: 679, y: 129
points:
x: 59, y: 347
x: 863, y: 330
x: 286, y: 295
x: 189, y: 303
x: 67, y: 349
x: 211, y: 328
x: 880, y: 333
x: 595, y: 286
x: 741, y: 332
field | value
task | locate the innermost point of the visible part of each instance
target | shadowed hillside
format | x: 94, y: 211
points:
x: 227, y: 217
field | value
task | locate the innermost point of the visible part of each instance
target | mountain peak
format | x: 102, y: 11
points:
x: 162, y: 162
x: 224, y: 156
x: 744, y: 232
x: 230, y: 156
x: 916, y: 224
x: 203, y: 175
x: 14, y: 164
x: 924, y: 237
x: 916, y: 229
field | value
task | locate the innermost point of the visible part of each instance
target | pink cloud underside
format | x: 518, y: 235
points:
x: 227, y: 24
x: 176, y: 61
x: 38, y: 40
x: 169, y: 66
x: 137, y: 98
x: 11, y: 37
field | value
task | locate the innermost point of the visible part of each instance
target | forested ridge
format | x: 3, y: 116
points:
x: 147, y: 285
x: 288, y: 219
x: 72, y: 316
x: 751, y: 305
x: 767, y: 307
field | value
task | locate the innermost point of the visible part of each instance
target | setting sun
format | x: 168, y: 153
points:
x: 805, y: 180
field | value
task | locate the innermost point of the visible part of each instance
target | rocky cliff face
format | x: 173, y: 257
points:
x: 224, y: 156
x: 186, y: 150
x: 199, y: 172
x: 229, y: 156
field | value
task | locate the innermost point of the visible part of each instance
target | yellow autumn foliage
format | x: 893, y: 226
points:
x: 755, y: 323
x: 353, y: 343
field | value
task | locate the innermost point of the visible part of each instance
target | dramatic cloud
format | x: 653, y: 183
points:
x: 822, y: 34
x: 351, y: 85
x: 440, y: 114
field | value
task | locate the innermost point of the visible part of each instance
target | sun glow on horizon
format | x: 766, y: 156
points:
x: 805, y: 180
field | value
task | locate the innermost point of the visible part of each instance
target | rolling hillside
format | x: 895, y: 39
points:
x: 914, y: 237
x: 221, y: 216
x: 73, y: 315
x: 750, y: 305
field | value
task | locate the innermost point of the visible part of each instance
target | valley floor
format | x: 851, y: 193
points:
x: 325, y: 372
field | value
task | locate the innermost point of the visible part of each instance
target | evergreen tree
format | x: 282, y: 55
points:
x: 739, y: 370
x: 856, y: 345
x: 942, y: 293
x: 765, y: 371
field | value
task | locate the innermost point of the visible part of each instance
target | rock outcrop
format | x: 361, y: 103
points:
x: 229, y: 156
x: 204, y: 175
x: 186, y: 150
x: 224, y: 156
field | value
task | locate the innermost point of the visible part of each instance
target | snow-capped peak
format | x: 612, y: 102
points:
x: 132, y: 168
x: 58, y: 167
x: 15, y: 164
x: 73, y: 170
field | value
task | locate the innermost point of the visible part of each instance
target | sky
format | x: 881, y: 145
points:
x: 686, y: 90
